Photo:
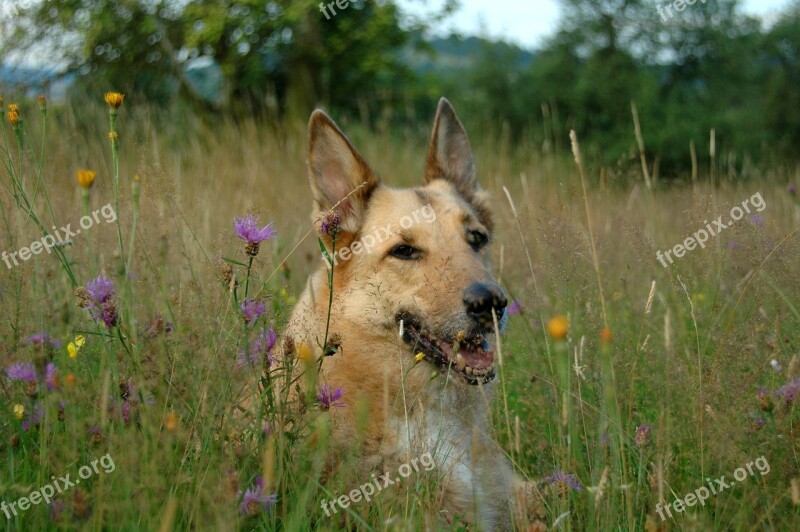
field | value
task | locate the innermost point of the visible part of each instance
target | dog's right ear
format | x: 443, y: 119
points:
x: 339, y: 177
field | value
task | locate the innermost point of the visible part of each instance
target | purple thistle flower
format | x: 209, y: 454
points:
x: 514, y: 308
x: 98, y: 299
x: 642, y: 437
x: 247, y: 229
x: 56, y: 509
x: 126, y: 412
x: 255, y: 500
x: 33, y: 416
x: 21, y: 371
x: 260, y: 347
x: 328, y: 397
x: 329, y: 224
x: 43, y: 339
x: 252, y: 310
x: 51, y: 376
x: 100, y: 289
x: 564, y: 480
x: 789, y: 391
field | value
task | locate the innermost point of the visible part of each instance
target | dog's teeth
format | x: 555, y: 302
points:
x: 460, y: 364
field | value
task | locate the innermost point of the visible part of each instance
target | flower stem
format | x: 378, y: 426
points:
x: 330, y: 295
x: 247, y: 280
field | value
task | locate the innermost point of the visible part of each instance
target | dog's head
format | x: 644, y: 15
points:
x: 414, y: 261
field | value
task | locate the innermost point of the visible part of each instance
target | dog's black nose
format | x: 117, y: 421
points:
x: 481, y: 298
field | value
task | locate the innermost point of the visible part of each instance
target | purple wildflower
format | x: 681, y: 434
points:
x: 51, y: 376
x: 329, y: 224
x: 255, y: 500
x: 95, y: 435
x: 98, y: 299
x: 756, y: 219
x: 56, y: 509
x: 791, y: 188
x: 789, y: 391
x: 42, y: 339
x: 642, y: 437
x: 260, y: 348
x: 328, y: 397
x: 247, y: 228
x: 33, y: 416
x: 100, y: 289
x: 733, y: 245
x: 21, y: 371
x: 126, y: 412
x: 252, y: 310
x: 563, y: 480
x: 514, y: 308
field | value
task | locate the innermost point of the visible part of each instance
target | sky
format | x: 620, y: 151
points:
x: 529, y: 22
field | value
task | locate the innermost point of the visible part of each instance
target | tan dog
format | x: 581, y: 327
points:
x: 406, y: 284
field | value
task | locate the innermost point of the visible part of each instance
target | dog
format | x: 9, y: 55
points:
x: 414, y: 313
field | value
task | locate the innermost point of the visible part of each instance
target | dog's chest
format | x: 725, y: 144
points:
x: 448, y: 437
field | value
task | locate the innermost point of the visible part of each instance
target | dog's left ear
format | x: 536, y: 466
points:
x: 450, y: 158
x: 340, y: 178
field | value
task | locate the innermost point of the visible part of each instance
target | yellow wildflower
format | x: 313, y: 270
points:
x: 86, y: 178
x: 19, y: 411
x: 75, y: 346
x: 115, y: 99
x: 558, y: 327
x: 13, y: 117
x: 305, y: 354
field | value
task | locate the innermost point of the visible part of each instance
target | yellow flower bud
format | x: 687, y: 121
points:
x: 115, y: 99
x: 13, y: 117
x: 86, y: 178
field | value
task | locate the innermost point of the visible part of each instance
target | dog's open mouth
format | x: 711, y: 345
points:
x: 469, y: 357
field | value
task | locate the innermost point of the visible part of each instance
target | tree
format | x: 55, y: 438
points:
x: 282, y: 51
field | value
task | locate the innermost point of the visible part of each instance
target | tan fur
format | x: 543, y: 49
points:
x: 442, y: 415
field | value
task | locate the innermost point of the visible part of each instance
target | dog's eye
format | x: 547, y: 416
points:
x: 404, y: 252
x: 477, y: 239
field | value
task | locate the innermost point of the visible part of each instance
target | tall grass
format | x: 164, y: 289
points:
x: 682, y: 389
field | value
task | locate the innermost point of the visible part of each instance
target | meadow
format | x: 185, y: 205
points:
x: 666, y: 379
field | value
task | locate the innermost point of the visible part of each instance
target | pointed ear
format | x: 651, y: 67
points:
x: 450, y: 158
x: 449, y: 153
x: 338, y: 175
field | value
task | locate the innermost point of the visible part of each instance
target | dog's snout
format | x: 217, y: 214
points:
x: 481, y: 298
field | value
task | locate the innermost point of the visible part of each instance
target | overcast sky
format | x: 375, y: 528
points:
x: 528, y: 22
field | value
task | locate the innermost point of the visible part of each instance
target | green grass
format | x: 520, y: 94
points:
x: 691, y: 347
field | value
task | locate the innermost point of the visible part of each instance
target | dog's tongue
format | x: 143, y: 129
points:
x: 473, y: 357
